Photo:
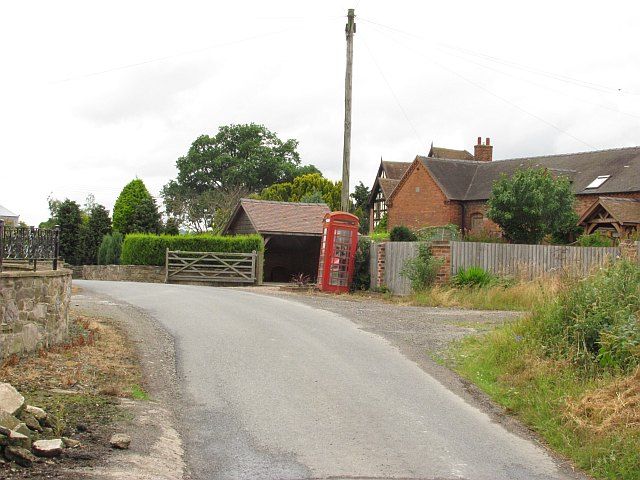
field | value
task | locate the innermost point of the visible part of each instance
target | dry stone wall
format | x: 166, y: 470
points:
x: 34, y: 310
x: 124, y: 273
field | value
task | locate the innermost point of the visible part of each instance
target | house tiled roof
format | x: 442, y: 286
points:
x: 439, y: 152
x: 284, y: 217
x: 388, y: 185
x: 624, y: 210
x: 471, y: 180
x: 395, y: 170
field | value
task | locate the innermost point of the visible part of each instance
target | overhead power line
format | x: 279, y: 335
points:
x: 485, y: 89
x: 510, y: 63
x: 181, y: 54
x: 393, y: 94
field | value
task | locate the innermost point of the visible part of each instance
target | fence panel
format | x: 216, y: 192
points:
x: 397, y: 253
x: 213, y: 267
x: 527, y: 261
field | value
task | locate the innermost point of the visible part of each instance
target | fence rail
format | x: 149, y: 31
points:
x: 212, y: 267
x: 29, y: 245
x: 528, y: 261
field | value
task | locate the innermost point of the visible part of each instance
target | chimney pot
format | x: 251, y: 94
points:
x: 483, y: 152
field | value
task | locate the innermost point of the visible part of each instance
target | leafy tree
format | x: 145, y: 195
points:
x: 110, y: 249
x: 249, y: 156
x: 92, y: 231
x: 239, y: 159
x: 135, y: 210
x: 54, y: 205
x: 69, y: 218
x: 304, y: 187
x: 171, y: 226
x: 201, y: 212
x: 532, y: 203
x: 360, y: 198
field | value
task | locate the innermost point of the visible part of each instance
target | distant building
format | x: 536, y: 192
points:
x: 8, y: 216
x: 453, y: 186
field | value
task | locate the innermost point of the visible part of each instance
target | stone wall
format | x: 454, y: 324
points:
x: 124, y: 273
x: 34, y: 310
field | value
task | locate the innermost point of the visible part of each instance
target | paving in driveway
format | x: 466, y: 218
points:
x: 280, y: 386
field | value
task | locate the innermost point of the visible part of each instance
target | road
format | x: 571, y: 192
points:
x: 275, y: 389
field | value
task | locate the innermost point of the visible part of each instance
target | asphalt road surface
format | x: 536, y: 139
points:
x: 275, y: 389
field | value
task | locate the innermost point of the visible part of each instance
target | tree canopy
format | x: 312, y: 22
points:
x: 360, y: 197
x: 69, y: 218
x: 217, y: 170
x: 135, y: 210
x: 531, y: 204
x: 312, y: 188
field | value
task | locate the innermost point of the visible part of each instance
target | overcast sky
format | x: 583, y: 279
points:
x: 94, y: 94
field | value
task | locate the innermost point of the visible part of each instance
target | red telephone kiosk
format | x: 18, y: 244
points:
x: 338, y: 252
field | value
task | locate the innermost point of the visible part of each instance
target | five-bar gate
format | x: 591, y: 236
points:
x: 212, y: 267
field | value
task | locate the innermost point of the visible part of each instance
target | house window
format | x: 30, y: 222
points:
x: 379, y: 208
x: 477, y: 219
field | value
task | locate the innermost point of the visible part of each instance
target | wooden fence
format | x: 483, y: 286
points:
x: 397, y: 253
x: 528, y: 261
x: 211, y: 267
x: 524, y: 261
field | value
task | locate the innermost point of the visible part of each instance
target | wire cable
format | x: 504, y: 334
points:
x: 393, y: 93
x: 500, y: 97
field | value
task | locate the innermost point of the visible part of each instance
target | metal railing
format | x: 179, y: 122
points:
x: 29, y: 245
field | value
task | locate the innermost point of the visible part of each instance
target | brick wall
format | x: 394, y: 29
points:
x: 420, y: 203
x: 442, y: 250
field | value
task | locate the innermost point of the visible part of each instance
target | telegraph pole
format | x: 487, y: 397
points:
x: 346, y: 152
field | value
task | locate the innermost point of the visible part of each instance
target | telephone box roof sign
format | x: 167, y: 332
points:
x: 338, y: 252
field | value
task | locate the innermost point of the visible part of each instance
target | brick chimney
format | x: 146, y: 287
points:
x: 483, y: 153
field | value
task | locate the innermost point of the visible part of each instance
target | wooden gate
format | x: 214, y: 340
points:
x: 212, y: 267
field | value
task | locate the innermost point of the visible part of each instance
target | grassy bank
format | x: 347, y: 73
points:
x: 571, y: 370
x: 521, y: 296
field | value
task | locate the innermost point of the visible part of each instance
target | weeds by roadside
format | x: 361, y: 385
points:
x: 571, y: 370
x: 79, y: 382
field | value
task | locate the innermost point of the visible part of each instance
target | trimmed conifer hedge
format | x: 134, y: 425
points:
x: 147, y: 249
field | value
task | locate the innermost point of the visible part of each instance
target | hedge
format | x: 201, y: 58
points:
x: 148, y: 249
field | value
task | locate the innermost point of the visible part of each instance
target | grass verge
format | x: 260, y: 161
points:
x: 521, y: 296
x: 566, y: 373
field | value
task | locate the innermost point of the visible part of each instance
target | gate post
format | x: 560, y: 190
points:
x: 166, y: 266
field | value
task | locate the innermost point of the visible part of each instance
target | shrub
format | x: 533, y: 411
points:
x: 430, y: 234
x: 110, y: 248
x: 483, y: 236
x: 146, y: 249
x: 382, y: 225
x: 473, y: 277
x: 401, y: 233
x: 421, y: 270
x: 596, y: 319
x: 135, y: 210
x: 379, y: 237
x: 362, y: 273
x: 595, y: 240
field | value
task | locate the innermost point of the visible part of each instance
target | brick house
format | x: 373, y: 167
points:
x: 387, y: 179
x: 436, y: 191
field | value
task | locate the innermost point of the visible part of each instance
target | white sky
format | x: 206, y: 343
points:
x: 446, y: 77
